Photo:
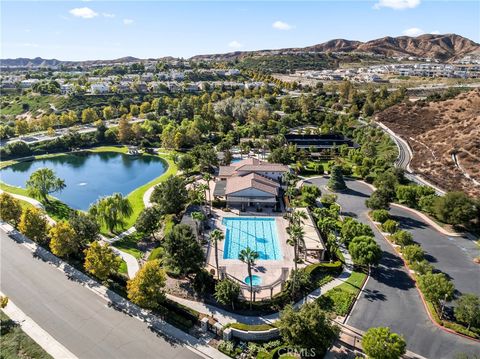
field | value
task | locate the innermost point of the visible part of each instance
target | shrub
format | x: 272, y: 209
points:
x: 413, y: 253
x: 156, y: 253
x: 427, y: 203
x: 390, y: 226
x: 328, y: 199
x: 422, y: 267
x: 402, y: 238
x: 341, y: 300
x: 380, y: 215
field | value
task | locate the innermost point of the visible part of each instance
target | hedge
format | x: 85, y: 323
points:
x: 251, y: 327
x: 324, y: 267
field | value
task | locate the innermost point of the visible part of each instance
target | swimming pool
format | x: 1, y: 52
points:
x: 258, y: 233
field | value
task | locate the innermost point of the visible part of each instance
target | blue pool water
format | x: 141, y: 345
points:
x: 256, y: 280
x: 258, y: 233
x: 235, y: 160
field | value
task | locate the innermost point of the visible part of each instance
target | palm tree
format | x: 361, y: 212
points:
x: 208, y: 177
x: 296, y: 234
x: 111, y: 210
x: 198, y: 217
x: 217, y: 236
x: 249, y: 256
x: 298, y: 217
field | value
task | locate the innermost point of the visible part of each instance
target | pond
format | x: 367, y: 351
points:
x: 89, y: 176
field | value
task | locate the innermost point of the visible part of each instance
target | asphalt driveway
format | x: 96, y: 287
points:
x: 390, y: 297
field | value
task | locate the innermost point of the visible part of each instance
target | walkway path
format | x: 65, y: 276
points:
x: 224, y: 317
x: 30, y: 200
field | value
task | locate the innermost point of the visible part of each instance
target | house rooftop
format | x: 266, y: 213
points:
x: 252, y: 180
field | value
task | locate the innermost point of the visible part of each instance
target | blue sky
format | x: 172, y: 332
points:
x: 81, y: 30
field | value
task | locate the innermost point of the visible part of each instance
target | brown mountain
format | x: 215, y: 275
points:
x: 442, y: 47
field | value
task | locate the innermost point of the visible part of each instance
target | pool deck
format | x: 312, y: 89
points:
x: 269, y: 270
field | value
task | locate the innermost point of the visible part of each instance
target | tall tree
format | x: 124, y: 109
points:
x: 380, y: 343
x: 227, y: 292
x: 436, y: 288
x: 33, y: 225
x: 85, y: 227
x: 43, y: 182
x: 365, y: 251
x: 468, y: 310
x: 101, y: 261
x: 249, y: 256
x: 111, y: 210
x: 148, y: 221
x: 336, y: 181
x: 208, y: 177
x: 170, y: 195
x: 10, y: 209
x: 147, y: 288
x: 308, y: 327
x: 184, y: 253
x: 217, y: 236
x: 63, y: 241
x: 455, y: 208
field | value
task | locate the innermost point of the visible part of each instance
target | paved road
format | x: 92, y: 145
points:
x: 390, y: 297
x: 451, y: 255
x: 75, y: 316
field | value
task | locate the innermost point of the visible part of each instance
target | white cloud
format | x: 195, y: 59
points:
x: 127, y: 21
x: 106, y: 14
x: 397, y: 4
x: 413, y: 31
x: 435, y: 32
x: 235, y: 44
x: 281, y: 25
x: 83, y: 12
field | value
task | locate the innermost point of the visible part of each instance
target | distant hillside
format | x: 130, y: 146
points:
x: 444, y: 137
x: 442, y: 47
x: 39, y: 62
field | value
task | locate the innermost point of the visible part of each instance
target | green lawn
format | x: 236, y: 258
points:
x: 136, y: 197
x: 354, y: 283
x: 14, y: 343
x: 128, y: 244
x: 123, y: 267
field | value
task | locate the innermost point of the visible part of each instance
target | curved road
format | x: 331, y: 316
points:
x: 390, y: 297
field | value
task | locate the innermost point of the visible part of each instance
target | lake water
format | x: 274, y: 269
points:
x: 89, y: 176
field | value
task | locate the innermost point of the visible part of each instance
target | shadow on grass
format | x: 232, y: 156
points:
x: 58, y: 210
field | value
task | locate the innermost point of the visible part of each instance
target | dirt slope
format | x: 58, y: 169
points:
x: 445, y: 139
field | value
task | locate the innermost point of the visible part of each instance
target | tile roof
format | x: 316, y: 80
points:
x: 252, y: 180
x: 251, y: 165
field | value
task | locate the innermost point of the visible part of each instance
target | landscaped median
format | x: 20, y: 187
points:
x: 412, y: 257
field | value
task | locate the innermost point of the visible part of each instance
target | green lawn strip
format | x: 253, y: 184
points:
x: 128, y: 244
x: 123, y: 268
x: 250, y: 327
x: 16, y: 344
x: 340, y: 299
x: 56, y: 209
x: 136, y: 197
